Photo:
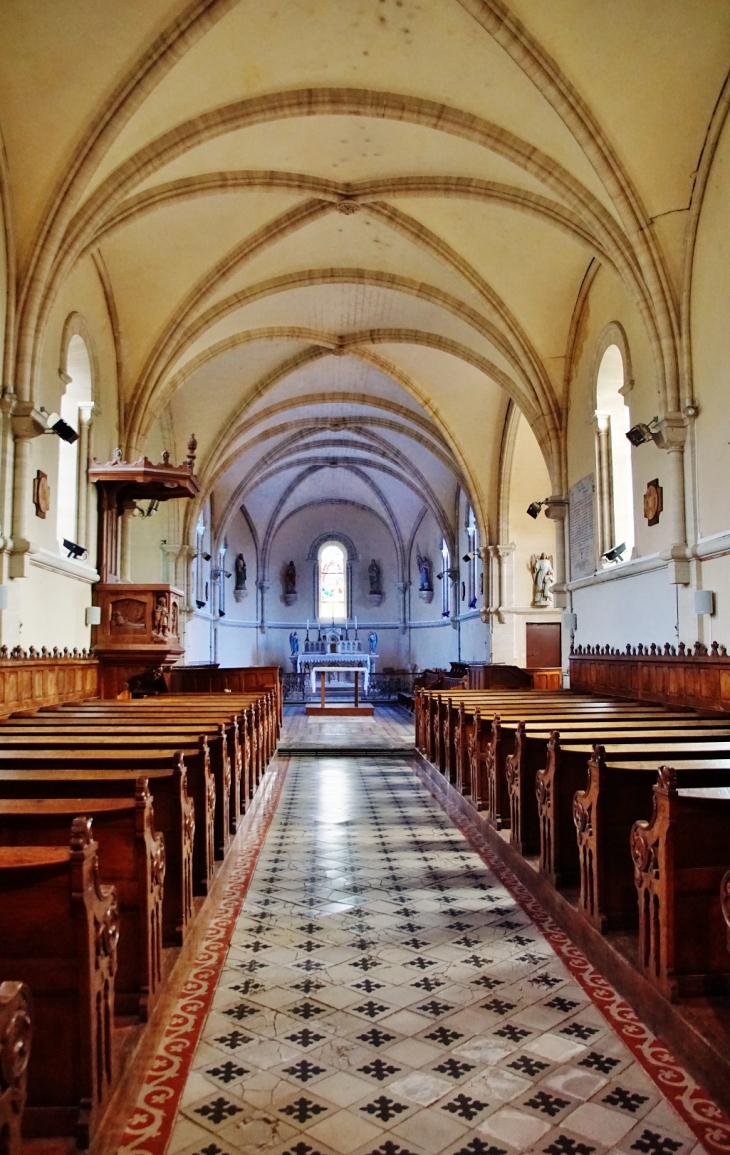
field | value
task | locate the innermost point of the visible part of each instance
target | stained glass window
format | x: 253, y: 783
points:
x: 332, y: 583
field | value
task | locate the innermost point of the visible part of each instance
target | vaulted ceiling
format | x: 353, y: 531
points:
x: 339, y: 237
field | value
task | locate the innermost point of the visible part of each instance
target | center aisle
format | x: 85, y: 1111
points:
x: 384, y: 993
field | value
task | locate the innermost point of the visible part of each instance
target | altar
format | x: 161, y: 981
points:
x: 354, y: 660
x: 335, y: 648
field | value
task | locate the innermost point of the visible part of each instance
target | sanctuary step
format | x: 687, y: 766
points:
x: 388, y: 733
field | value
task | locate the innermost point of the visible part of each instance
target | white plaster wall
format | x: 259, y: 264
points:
x: 635, y: 609
x: 47, y: 608
x: 474, y: 639
x: 434, y: 646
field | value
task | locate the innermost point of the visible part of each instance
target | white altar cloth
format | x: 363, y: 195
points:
x: 333, y: 662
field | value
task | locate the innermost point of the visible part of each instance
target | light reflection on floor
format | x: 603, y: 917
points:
x: 384, y: 994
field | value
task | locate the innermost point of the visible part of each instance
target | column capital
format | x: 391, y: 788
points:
x: 672, y: 432
x: 27, y: 421
x: 556, y: 508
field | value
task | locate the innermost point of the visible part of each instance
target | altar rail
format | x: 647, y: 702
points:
x: 30, y: 679
x: 680, y: 677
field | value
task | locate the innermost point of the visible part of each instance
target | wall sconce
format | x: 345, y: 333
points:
x: 56, y: 424
x: 616, y: 552
x: 74, y: 550
x: 533, y: 509
x: 641, y: 433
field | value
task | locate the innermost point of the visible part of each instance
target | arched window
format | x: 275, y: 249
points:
x: 446, y: 578
x: 78, y: 392
x: 332, y: 582
x: 614, y: 479
x: 472, y: 534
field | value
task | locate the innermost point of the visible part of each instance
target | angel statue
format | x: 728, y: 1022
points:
x: 543, y: 579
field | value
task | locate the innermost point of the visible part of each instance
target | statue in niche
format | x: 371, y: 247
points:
x: 240, y: 568
x: 373, y: 642
x: 160, y: 618
x: 424, y: 571
x: 425, y: 576
x: 374, y: 577
x: 290, y: 584
x: 543, y: 579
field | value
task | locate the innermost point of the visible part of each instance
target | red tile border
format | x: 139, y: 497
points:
x: 150, y: 1125
x: 705, y: 1119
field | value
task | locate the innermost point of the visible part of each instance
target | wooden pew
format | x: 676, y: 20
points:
x: 530, y: 740
x: 138, y: 757
x: 618, y: 792
x: 256, y: 734
x: 217, y: 735
x: 680, y: 856
x: 16, y: 1033
x: 60, y: 937
x: 134, y: 863
x: 209, y: 773
x: 174, y: 817
x: 488, y: 750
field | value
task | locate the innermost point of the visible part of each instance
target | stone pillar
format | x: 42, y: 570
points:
x: 672, y: 437
x: 86, y: 408
x: 604, y: 481
x: 262, y: 587
x: 7, y: 405
x: 557, y: 510
x: 402, y: 588
x: 125, y: 561
x: 27, y: 423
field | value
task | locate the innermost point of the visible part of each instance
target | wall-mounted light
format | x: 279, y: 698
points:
x: 641, y: 433
x: 56, y: 424
x: 151, y: 509
x: 468, y: 557
x: 93, y: 615
x: 206, y: 556
x: 616, y: 552
x: 74, y: 550
x: 533, y: 509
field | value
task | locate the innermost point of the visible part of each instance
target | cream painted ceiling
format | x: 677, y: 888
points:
x: 342, y: 235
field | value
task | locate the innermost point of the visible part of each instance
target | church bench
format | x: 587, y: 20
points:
x: 680, y: 856
x: 174, y: 818
x: 255, y: 733
x: 16, y: 1030
x: 487, y: 757
x: 236, y: 679
x: 431, y: 704
x: 140, y: 756
x: 133, y: 855
x: 60, y: 937
x: 619, y: 791
x: 216, y: 734
x: 529, y: 755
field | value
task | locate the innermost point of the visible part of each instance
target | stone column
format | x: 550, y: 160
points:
x: 557, y: 510
x: 672, y: 437
x: 27, y: 423
x: 604, y: 481
x: 125, y: 562
x: 402, y: 588
x: 7, y: 405
x: 262, y: 587
x: 86, y: 408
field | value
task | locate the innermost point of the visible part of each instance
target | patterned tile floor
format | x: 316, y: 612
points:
x: 390, y: 729
x: 383, y: 993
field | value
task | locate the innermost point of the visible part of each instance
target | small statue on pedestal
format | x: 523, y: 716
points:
x: 543, y: 579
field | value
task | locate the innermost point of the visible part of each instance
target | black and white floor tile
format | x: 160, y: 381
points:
x: 384, y: 995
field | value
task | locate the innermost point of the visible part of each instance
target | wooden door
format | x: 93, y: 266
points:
x: 543, y: 645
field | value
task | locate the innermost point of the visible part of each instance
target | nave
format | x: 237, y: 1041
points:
x: 389, y: 988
